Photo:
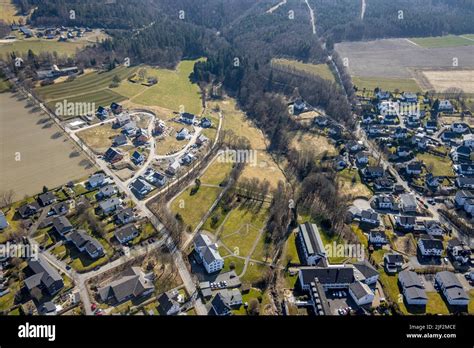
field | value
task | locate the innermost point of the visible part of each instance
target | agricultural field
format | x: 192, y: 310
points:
x: 391, y: 84
x: 235, y: 120
x: 394, y: 63
x: 83, y: 86
x: 68, y: 48
x: 444, y: 79
x: 173, y: 89
x: 36, y: 153
x: 321, y: 70
x: 319, y: 144
x: 443, y: 41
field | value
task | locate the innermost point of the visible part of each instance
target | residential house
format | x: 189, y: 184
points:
x: 187, y: 118
x: 361, y: 293
x: 187, y: 159
x: 3, y: 221
x: 110, y: 205
x: 28, y: 209
x: 400, y: 133
x: 96, y: 180
x: 86, y: 243
x: 321, y: 121
x: 462, y: 154
x: 340, y: 163
x: 140, y: 187
x: 158, y: 179
x: 414, y: 168
x: 430, y: 247
x: 141, y: 137
x: 384, y: 201
x: 383, y: 95
x: 106, y: 192
x: 126, y: 233
x: 469, y: 206
x: 412, y: 121
x: 468, y: 140
x: 452, y: 288
x: 182, y: 134
x: 353, y: 146
x: 173, y: 167
x: 459, y: 251
x: 137, y: 158
x: 378, y: 237
x: 383, y: 184
x: 409, y: 97
x: 367, y: 118
x: 44, y: 276
x: 113, y: 155
x: 122, y: 119
x: 48, y: 308
x: 370, y: 217
x: 433, y: 227
x: 120, y: 140
x: 464, y: 182
x: 449, y: 137
x: 116, y: 108
x: 167, y: 304
x: 47, y: 199
x: 208, y: 253
x: 459, y: 127
x: 393, y: 263
x: 406, y: 223
x: 62, y: 225
x: 445, y: 106
x: 373, y: 172
x: 130, y: 129
x: 465, y: 169
x: 219, y: 306
x: 134, y: 283
x: 206, y: 123
x: 408, y: 203
x: 412, y: 288
x: 362, y: 158
x: 201, y: 139
x: 462, y: 196
x: 102, y: 113
x: 403, y: 151
x: 124, y: 216
x: 432, y: 181
x: 61, y: 208
x: 310, y: 244
x: 431, y: 125
x: 365, y: 272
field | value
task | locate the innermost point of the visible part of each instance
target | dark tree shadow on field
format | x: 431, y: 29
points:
x: 74, y: 154
x: 47, y: 125
x: 56, y: 135
x: 42, y: 120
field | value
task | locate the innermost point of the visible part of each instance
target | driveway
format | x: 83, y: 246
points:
x: 362, y: 204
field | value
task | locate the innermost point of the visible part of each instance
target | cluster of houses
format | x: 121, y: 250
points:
x: 61, y: 33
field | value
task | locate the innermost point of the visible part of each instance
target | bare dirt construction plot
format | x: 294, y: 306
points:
x: 47, y: 157
x: 400, y: 58
x: 442, y: 80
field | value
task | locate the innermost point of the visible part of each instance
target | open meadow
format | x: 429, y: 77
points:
x: 321, y: 70
x: 46, y: 156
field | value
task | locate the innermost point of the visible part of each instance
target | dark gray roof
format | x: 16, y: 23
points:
x: 43, y: 273
x: 432, y: 244
x: 82, y: 240
x: 393, y: 258
x: 61, y: 223
x: 311, y: 238
x: 219, y: 305
x: 45, y: 198
x: 369, y: 214
x: 415, y: 293
x: 448, y: 279
x: 132, y: 283
x: 126, y: 232
x: 327, y: 275
x: 359, y: 289
x: 410, y: 279
x: 457, y: 294
x: 166, y: 303
x: 366, y: 269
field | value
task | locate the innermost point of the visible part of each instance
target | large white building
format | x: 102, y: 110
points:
x: 208, y: 253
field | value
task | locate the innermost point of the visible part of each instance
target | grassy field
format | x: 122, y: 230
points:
x: 193, y: 208
x: 353, y: 188
x: 386, y: 83
x: 442, y: 166
x: 443, y: 41
x: 319, y: 144
x: 99, y: 138
x: 236, y: 121
x: 34, y: 151
x: 173, y: 89
x: 216, y: 173
x: 83, y: 86
x: 321, y: 70
x: 67, y: 48
x: 441, y: 80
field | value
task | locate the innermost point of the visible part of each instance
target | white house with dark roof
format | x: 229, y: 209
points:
x: 378, y: 237
x: 310, y: 244
x: 365, y: 272
x: 430, y: 247
x: 464, y: 182
x: 208, y: 253
x: 96, y: 180
x: 408, y: 203
x: 361, y: 293
x: 405, y: 222
x: 452, y: 288
x: 337, y: 277
x: 126, y: 233
x: 393, y: 263
x: 369, y: 217
x: 86, y: 243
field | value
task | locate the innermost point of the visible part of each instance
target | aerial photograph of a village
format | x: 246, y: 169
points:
x: 236, y: 158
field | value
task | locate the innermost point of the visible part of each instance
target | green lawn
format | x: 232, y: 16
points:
x: 442, y: 166
x: 237, y: 262
x: 436, y: 304
x: 255, y: 272
x: 193, y: 208
x: 4, y: 85
x: 443, y: 41
x: 83, y: 86
x: 173, y: 89
x: 321, y: 70
x: 252, y: 294
x: 291, y: 253
x: 385, y: 83
x: 391, y: 289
